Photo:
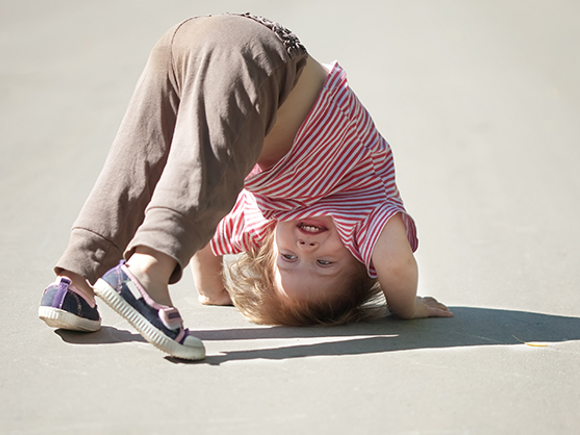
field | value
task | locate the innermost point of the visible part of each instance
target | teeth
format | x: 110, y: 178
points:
x: 311, y: 229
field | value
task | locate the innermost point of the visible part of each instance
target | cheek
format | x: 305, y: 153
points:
x: 284, y: 233
x: 279, y: 238
x: 339, y: 248
x: 278, y: 284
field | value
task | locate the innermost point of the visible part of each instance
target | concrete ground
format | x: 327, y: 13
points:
x: 480, y: 101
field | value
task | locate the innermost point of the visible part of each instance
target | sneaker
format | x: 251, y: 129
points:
x: 64, y: 306
x: 160, y: 325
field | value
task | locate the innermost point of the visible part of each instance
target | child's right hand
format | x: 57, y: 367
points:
x: 207, y: 275
x: 222, y: 298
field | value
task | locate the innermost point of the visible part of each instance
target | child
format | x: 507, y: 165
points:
x: 220, y: 97
x: 316, y: 218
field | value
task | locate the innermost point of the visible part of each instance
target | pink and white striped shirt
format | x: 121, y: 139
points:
x: 338, y: 166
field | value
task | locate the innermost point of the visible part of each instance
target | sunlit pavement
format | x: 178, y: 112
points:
x: 479, y: 101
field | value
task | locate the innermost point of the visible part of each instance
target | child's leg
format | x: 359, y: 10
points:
x: 116, y: 205
x: 232, y: 75
x: 193, y: 130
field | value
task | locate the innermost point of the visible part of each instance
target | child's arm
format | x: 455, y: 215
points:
x: 207, y: 270
x: 397, y: 271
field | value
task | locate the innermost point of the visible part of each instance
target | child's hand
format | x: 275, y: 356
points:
x: 207, y: 275
x: 430, y: 307
x: 222, y: 298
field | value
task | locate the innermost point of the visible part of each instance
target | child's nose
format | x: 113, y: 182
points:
x: 307, y: 245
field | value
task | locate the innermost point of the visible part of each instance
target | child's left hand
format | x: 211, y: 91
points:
x: 430, y: 307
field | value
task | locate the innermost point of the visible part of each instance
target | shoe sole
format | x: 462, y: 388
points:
x: 149, y: 332
x: 57, y: 318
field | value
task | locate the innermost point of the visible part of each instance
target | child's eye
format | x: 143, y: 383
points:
x: 289, y: 256
x: 324, y: 262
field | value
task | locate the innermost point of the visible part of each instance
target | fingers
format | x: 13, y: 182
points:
x: 439, y: 312
x: 222, y: 300
x: 436, y: 308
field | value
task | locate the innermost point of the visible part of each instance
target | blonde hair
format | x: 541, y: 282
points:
x: 249, y: 280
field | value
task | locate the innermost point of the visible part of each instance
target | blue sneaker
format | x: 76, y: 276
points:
x: 63, y: 306
x: 160, y: 325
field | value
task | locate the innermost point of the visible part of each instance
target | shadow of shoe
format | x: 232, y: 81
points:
x: 105, y: 335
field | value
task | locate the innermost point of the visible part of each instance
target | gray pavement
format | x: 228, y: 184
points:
x: 480, y: 101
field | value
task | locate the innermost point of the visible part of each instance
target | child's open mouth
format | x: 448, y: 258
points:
x: 310, y: 227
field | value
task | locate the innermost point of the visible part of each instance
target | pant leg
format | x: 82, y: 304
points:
x: 193, y: 130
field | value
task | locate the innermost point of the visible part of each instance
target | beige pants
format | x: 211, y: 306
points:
x: 193, y: 130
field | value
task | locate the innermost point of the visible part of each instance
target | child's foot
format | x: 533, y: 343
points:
x: 64, y: 306
x: 160, y: 325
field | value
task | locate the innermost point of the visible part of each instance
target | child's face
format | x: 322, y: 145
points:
x: 312, y: 263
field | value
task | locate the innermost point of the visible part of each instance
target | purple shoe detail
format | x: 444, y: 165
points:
x: 63, y: 306
x: 62, y: 288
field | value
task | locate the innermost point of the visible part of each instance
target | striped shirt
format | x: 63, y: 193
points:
x: 339, y: 166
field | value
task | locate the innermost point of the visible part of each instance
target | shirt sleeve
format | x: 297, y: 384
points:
x: 223, y: 242
x: 242, y: 229
x: 229, y: 236
x: 371, y: 230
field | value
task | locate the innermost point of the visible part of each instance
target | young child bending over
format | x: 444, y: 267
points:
x: 319, y: 226
x: 234, y: 127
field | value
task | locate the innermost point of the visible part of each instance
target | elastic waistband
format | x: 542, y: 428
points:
x: 286, y: 36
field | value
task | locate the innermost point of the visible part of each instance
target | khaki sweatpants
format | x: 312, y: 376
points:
x: 193, y: 130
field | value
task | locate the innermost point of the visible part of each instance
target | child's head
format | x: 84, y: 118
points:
x: 303, y: 274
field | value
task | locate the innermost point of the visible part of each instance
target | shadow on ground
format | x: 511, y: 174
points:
x: 469, y: 327
x: 105, y: 335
